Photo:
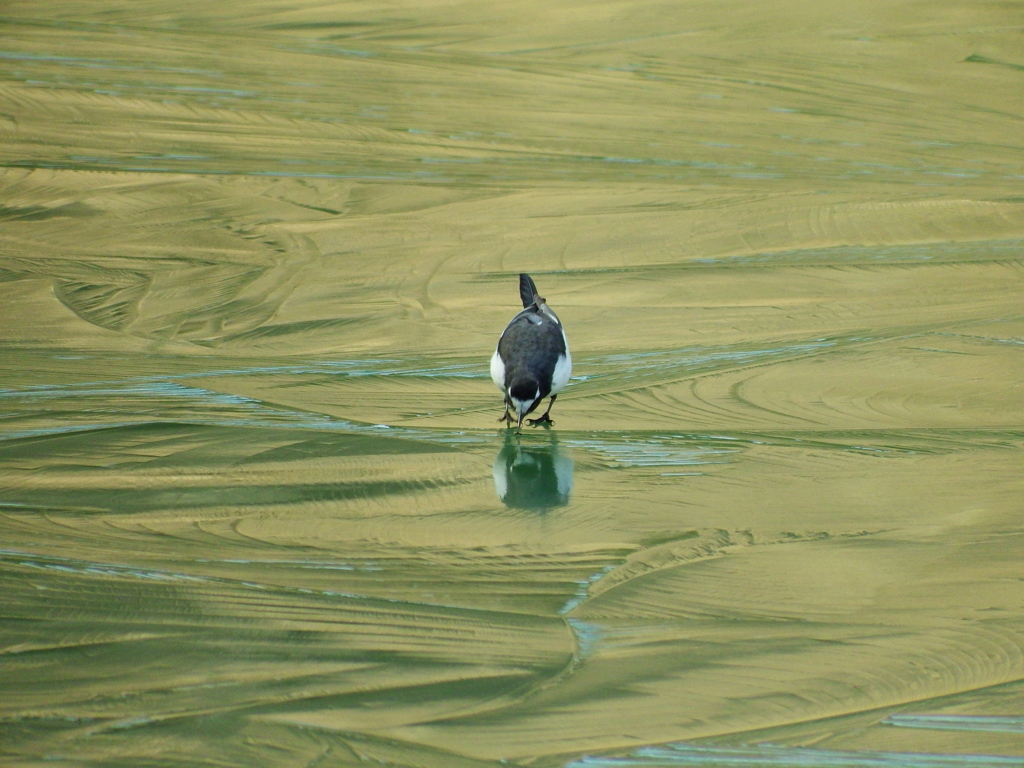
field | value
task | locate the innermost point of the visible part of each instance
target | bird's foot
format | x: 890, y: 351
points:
x: 545, y: 420
x: 507, y: 418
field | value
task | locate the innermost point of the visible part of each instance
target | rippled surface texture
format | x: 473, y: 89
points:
x: 255, y: 506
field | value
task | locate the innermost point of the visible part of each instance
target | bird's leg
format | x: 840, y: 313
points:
x: 507, y: 417
x: 544, y: 419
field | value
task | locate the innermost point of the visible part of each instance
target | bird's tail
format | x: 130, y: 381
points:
x: 528, y: 291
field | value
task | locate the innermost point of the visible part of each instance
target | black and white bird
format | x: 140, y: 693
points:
x: 532, y: 360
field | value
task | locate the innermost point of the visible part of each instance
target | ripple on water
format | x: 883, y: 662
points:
x: 659, y: 451
x: 770, y: 755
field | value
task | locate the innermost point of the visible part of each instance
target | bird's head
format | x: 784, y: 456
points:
x: 524, y: 394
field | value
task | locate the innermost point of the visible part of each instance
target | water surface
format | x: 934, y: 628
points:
x: 255, y: 506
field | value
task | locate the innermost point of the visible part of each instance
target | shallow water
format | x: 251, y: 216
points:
x: 255, y: 508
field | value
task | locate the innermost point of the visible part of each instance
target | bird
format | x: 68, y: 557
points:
x: 532, y: 359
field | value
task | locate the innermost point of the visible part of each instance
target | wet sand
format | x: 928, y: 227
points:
x: 255, y: 506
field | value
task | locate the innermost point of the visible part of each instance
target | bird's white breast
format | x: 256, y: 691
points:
x: 563, y: 369
x: 498, y: 371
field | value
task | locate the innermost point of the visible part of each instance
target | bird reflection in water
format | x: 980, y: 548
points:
x: 532, y: 475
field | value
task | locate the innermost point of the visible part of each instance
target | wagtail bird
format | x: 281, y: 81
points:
x: 532, y: 360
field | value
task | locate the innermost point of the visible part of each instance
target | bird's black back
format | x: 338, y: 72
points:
x: 530, y: 347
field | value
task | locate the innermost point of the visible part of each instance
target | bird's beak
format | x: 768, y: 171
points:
x: 519, y: 429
